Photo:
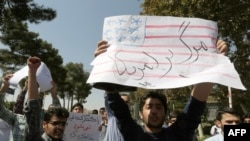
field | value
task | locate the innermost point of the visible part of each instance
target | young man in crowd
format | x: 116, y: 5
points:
x: 226, y: 116
x: 16, y: 121
x: 153, y: 109
x: 77, y: 108
x: 215, y: 129
x: 246, y: 118
x: 54, y: 118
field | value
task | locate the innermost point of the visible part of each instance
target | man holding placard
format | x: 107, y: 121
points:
x: 153, y: 107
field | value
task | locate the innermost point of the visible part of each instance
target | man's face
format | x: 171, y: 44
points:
x: 229, y: 119
x: 153, y: 114
x: 77, y: 109
x: 55, y: 127
x: 104, y: 116
x: 101, y: 112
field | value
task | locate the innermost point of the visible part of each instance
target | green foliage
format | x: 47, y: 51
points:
x: 25, y: 10
x: 9, y: 105
x: 22, y: 43
x: 75, y: 86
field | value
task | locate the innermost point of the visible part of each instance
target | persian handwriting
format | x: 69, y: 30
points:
x: 82, y: 127
x: 84, y: 118
x: 76, y: 135
x: 147, y: 50
x: 193, y: 49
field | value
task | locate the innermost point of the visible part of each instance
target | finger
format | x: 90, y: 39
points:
x: 102, y: 42
x: 102, y: 47
x: 222, y: 47
x: 100, y: 52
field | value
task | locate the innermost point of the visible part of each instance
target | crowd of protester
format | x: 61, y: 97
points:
x: 27, y: 121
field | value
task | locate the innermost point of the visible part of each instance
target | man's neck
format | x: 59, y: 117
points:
x: 152, y: 130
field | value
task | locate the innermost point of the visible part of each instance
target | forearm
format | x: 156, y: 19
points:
x: 194, y: 109
x: 201, y: 91
x: 189, y: 120
x: 32, y: 86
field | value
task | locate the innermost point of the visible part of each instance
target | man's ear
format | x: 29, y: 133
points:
x: 140, y: 114
x: 44, y: 124
x: 220, y: 124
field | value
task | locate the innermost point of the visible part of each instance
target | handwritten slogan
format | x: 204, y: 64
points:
x: 156, y: 52
x: 82, y: 127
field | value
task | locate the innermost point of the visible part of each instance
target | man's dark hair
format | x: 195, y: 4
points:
x: 102, y: 109
x: 225, y: 110
x: 76, y: 105
x: 59, y: 112
x: 246, y: 115
x: 95, y: 111
x: 156, y: 95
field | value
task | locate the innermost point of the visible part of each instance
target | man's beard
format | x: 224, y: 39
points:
x: 154, y: 126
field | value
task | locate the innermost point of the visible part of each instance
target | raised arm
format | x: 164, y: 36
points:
x: 6, y: 114
x: 201, y: 91
x: 5, y: 83
x: 33, y: 64
x: 33, y: 106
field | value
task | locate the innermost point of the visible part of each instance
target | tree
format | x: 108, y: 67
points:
x: 22, y: 43
x: 233, y: 23
x: 75, y: 86
x: 24, y: 10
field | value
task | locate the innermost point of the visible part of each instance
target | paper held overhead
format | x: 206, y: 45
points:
x: 158, y: 52
x: 43, y: 76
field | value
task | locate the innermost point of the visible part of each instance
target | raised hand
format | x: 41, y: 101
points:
x: 5, y: 83
x: 101, y: 47
x: 222, y: 47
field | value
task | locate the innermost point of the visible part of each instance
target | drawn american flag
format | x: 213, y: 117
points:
x: 164, y: 32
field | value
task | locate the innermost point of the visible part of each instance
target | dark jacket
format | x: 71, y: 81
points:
x: 182, y: 130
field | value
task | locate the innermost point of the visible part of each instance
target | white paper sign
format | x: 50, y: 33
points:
x: 82, y: 127
x: 43, y: 75
x: 157, y: 52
